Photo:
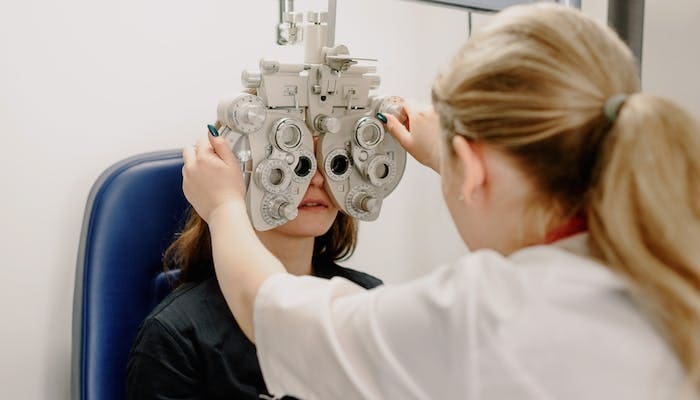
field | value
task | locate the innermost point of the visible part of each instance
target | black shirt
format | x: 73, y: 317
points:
x: 190, y: 346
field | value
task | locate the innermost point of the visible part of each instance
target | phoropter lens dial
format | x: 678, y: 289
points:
x: 288, y: 133
x: 369, y: 132
x: 362, y: 202
x: 273, y: 175
x: 246, y: 113
x: 337, y: 165
x: 277, y: 209
x: 305, y: 165
x: 381, y: 170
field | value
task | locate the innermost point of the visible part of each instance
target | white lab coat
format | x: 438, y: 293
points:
x: 547, y: 322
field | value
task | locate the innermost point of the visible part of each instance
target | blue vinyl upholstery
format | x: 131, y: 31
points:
x: 132, y: 214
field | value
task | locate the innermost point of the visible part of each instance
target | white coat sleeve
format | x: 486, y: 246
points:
x: 320, y: 339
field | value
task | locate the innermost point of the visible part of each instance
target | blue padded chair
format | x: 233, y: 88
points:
x: 132, y: 214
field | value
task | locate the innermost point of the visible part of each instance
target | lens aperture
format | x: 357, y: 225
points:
x: 290, y: 136
x: 340, y: 164
x: 276, y: 176
x: 303, y: 167
x: 369, y: 135
x: 287, y: 134
x: 381, y: 171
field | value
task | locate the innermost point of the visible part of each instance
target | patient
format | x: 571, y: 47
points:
x: 190, y: 346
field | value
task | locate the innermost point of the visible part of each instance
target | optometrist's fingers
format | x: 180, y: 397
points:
x: 422, y: 140
x: 403, y: 116
x: 188, y: 155
x: 399, y: 132
x: 203, y: 148
x: 207, y: 181
x: 222, y: 150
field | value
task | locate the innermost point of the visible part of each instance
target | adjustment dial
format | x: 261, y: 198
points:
x: 327, y: 124
x: 363, y: 203
x: 273, y: 175
x: 247, y: 113
x: 392, y: 105
x: 288, y: 133
x: 369, y: 132
x: 381, y: 170
x: 277, y: 209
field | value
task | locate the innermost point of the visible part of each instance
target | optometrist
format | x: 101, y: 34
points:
x: 579, y: 199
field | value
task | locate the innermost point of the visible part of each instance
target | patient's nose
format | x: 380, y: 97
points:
x: 318, y: 178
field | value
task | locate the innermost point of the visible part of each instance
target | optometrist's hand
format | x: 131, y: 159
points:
x: 419, y: 135
x: 211, y: 177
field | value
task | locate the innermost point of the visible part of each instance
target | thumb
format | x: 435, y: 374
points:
x: 398, y: 131
x: 222, y: 150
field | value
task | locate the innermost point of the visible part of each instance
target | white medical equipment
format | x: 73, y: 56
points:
x: 271, y: 128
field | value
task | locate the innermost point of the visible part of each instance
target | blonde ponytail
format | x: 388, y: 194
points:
x: 644, y: 216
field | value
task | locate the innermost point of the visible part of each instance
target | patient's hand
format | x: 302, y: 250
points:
x: 418, y: 133
x: 211, y: 177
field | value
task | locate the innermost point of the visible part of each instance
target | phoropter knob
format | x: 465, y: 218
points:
x: 281, y: 209
x: 246, y: 113
x: 251, y: 79
x: 365, y: 203
x: 392, y: 105
x: 327, y: 124
x: 252, y: 113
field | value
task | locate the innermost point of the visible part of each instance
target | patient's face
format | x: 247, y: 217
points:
x: 316, y: 211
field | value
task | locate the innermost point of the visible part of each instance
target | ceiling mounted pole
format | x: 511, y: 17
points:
x: 627, y: 18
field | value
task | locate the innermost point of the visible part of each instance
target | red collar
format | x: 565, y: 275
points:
x: 574, y: 225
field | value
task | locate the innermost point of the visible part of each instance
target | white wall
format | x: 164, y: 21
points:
x: 84, y: 84
x: 671, y: 54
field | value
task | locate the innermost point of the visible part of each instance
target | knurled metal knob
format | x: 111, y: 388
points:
x: 327, y: 124
x: 281, y: 209
x: 366, y: 203
x: 252, y: 113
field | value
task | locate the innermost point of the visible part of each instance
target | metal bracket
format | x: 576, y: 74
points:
x: 292, y: 91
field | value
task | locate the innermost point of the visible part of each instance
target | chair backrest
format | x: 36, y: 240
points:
x: 132, y: 214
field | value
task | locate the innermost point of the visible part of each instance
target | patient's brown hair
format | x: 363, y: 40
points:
x: 191, y: 250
